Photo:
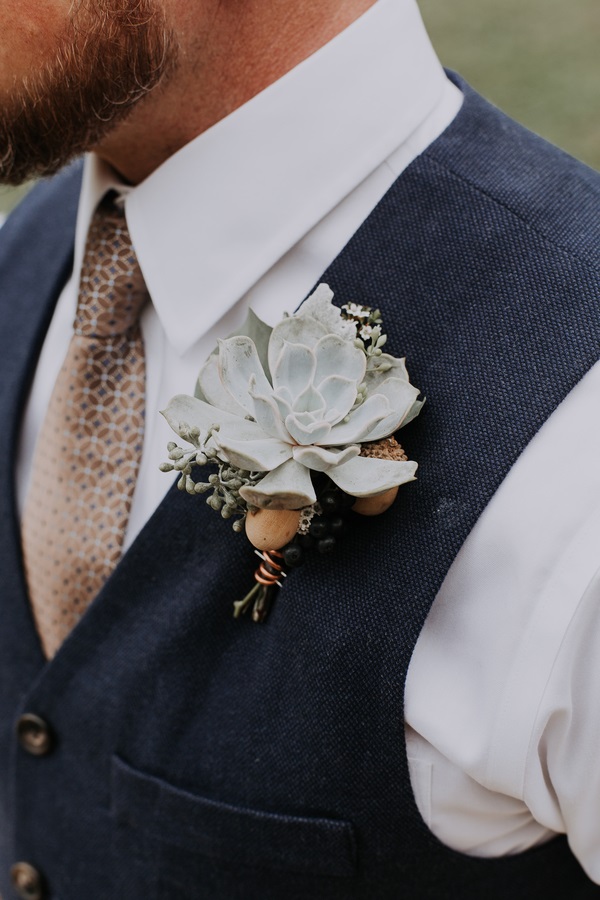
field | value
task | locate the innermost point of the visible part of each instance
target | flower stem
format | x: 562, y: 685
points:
x: 241, y: 606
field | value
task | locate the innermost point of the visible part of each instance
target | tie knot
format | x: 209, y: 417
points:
x: 112, y: 291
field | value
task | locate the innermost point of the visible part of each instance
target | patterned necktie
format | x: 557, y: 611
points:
x: 90, y: 443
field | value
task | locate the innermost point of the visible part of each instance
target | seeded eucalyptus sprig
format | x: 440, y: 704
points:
x: 224, y: 484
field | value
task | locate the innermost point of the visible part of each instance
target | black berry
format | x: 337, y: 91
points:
x: 338, y: 526
x: 330, y: 502
x: 293, y: 555
x: 326, y: 544
x: 319, y: 528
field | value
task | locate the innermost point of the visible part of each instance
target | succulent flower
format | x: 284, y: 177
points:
x: 297, y: 398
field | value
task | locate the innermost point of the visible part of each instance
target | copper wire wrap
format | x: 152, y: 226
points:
x: 270, y: 570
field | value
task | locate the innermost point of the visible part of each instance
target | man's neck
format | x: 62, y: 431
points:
x: 228, y: 54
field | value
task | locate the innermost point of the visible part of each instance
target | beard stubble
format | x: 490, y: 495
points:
x: 111, y: 54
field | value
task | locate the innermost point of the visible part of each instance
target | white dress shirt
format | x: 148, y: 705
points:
x: 502, y: 724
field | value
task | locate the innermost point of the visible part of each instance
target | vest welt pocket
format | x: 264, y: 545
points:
x: 162, y: 815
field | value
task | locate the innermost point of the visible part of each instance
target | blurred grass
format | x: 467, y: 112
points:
x: 536, y: 59
x: 9, y: 197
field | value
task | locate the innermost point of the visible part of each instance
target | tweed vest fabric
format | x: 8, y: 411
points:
x: 198, y: 756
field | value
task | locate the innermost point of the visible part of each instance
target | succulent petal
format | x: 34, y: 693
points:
x: 361, y: 422
x: 336, y: 356
x: 363, y: 476
x: 267, y: 412
x: 304, y: 429
x: 284, y: 403
x: 321, y: 459
x: 293, y: 330
x: 238, y: 364
x: 287, y: 487
x: 381, y: 367
x: 254, y: 455
x: 319, y: 306
x: 339, y: 395
x: 259, y: 332
x: 294, y: 368
x: 401, y: 396
x: 309, y: 401
x: 414, y: 411
x: 184, y: 410
x: 211, y: 389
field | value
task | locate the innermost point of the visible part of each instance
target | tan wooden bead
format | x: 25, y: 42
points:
x: 271, y: 529
x: 377, y: 504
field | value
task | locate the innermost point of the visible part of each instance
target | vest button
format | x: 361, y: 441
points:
x: 27, y: 881
x: 34, y: 735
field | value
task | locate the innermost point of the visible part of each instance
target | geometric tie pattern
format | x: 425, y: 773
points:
x: 90, y: 443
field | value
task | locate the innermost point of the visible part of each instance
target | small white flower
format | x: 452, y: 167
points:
x: 306, y: 516
x: 356, y: 311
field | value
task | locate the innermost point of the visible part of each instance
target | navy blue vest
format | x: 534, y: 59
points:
x: 201, y: 757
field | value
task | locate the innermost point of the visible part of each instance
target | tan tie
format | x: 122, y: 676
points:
x: 90, y: 443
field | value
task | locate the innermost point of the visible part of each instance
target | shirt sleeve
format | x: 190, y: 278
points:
x: 562, y: 776
x: 501, y: 707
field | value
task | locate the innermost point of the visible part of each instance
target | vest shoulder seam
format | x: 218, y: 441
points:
x: 563, y: 248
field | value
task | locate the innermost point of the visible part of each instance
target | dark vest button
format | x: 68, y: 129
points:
x: 34, y: 735
x: 27, y: 881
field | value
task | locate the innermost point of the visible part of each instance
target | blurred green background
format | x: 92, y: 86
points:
x: 536, y: 59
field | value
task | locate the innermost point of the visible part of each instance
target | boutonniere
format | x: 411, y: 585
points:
x: 295, y: 425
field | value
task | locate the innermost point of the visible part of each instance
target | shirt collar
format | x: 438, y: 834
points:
x: 225, y: 208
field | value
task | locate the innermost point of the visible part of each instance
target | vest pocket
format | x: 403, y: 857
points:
x: 167, y: 839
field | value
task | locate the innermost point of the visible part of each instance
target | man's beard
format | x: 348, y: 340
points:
x: 112, y: 53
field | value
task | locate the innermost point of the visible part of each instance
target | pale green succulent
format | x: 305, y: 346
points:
x: 297, y: 398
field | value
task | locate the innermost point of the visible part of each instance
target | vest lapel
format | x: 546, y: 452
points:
x: 29, y: 296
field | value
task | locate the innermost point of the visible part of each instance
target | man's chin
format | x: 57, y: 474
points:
x: 28, y: 152
x: 104, y: 65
